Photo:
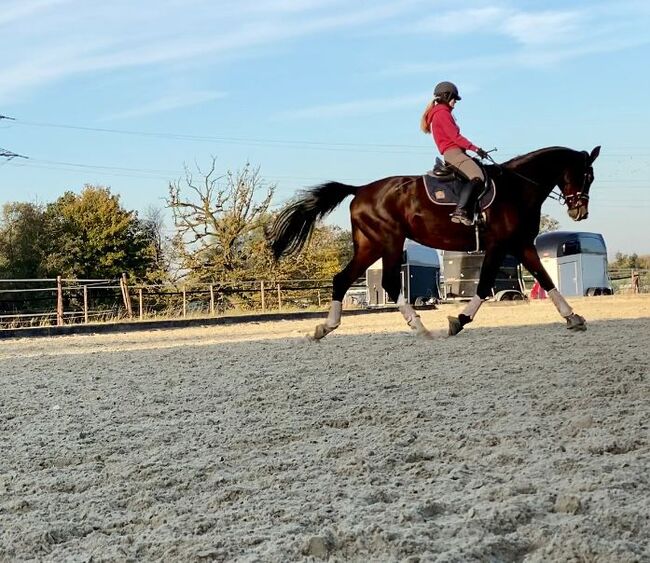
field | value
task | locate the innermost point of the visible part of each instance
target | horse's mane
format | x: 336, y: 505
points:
x: 524, y: 158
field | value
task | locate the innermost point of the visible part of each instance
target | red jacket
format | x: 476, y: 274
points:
x: 445, y: 131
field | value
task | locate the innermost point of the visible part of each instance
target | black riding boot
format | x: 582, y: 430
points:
x: 464, y: 212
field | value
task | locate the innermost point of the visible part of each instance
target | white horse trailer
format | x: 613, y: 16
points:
x: 576, y: 262
x: 420, y: 276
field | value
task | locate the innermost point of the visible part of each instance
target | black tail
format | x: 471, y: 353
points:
x: 295, y: 223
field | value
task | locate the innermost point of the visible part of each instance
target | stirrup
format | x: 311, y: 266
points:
x: 459, y: 217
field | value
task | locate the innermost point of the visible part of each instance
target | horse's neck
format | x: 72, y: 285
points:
x: 540, y: 173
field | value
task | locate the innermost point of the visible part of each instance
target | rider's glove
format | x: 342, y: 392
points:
x: 481, y: 153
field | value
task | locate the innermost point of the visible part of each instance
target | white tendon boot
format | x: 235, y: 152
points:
x: 412, y: 318
x: 573, y: 321
x: 331, y: 323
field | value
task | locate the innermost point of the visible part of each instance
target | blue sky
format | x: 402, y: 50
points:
x: 318, y: 90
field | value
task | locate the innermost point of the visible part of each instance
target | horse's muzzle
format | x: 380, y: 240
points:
x: 579, y: 213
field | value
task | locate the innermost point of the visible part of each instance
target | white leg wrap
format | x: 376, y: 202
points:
x: 473, y: 306
x: 560, y: 303
x: 334, y: 317
x: 405, y: 308
x: 412, y: 318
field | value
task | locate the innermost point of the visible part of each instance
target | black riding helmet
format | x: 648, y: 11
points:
x: 446, y: 91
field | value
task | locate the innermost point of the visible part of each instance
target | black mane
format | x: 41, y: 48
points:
x: 525, y: 158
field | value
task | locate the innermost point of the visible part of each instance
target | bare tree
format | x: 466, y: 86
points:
x: 548, y: 223
x: 216, y: 217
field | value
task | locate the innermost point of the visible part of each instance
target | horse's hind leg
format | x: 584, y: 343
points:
x: 392, y: 282
x: 365, y: 253
x: 530, y: 259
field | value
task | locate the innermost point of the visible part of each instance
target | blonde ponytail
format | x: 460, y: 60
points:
x: 425, y: 120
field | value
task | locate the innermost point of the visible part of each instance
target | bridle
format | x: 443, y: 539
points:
x: 581, y: 197
x: 572, y: 201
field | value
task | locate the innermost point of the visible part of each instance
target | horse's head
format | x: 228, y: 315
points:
x: 576, y: 181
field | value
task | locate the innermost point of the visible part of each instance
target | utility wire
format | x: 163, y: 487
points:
x: 392, y: 148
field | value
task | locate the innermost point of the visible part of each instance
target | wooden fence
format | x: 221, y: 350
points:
x: 59, y: 301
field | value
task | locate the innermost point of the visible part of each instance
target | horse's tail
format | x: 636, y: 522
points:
x: 294, y: 224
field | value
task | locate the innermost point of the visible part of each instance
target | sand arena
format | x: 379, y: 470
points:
x: 514, y: 441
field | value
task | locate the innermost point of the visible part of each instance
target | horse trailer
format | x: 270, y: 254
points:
x: 420, y: 275
x: 576, y: 262
x: 461, y: 272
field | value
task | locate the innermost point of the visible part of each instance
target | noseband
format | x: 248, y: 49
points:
x: 581, y: 197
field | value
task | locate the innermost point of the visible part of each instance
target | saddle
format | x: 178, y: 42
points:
x: 444, y: 184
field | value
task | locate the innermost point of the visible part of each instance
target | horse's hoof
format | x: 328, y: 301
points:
x: 455, y: 326
x: 425, y: 334
x: 576, y: 322
x: 320, y: 332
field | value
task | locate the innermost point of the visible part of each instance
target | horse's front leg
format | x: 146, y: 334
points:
x: 530, y: 259
x: 489, y: 269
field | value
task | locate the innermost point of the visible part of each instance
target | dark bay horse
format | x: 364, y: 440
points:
x: 386, y: 212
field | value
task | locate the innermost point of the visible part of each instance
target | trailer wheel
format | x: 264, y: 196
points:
x: 509, y: 295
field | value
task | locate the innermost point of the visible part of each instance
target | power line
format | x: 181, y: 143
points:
x: 304, y: 144
x: 4, y: 153
x: 9, y: 155
x: 393, y: 148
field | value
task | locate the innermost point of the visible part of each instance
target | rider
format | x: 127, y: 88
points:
x: 438, y: 121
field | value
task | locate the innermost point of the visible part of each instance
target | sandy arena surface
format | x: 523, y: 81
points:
x: 514, y: 441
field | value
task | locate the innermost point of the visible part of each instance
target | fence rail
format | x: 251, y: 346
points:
x: 90, y: 300
x: 61, y: 300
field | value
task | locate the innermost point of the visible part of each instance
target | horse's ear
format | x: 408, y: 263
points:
x: 594, y: 154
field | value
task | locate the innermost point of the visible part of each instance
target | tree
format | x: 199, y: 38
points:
x: 153, y: 222
x: 21, y: 238
x: 220, y: 231
x: 328, y: 251
x: 218, y: 221
x: 547, y: 224
x: 630, y: 261
x: 91, y: 235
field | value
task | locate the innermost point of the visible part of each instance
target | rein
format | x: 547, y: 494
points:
x: 557, y: 196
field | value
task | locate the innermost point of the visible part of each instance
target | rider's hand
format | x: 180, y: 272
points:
x: 481, y: 153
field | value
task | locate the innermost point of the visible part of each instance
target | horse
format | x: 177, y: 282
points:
x: 386, y: 212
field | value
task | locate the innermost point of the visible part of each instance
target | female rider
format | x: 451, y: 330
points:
x: 438, y: 121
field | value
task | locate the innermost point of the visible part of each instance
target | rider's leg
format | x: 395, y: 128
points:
x: 466, y: 165
x: 467, y: 202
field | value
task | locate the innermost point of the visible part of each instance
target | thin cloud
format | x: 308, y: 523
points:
x: 18, y: 10
x: 543, y: 38
x: 132, y: 35
x: 533, y: 27
x: 350, y: 108
x: 167, y: 103
x: 542, y: 27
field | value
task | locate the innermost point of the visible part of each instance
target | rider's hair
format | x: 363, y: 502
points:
x: 425, y: 120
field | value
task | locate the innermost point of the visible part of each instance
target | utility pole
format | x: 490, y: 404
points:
x: 4, y: 153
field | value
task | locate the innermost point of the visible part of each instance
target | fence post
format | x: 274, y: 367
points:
x: 319, y: 299
x: 211, y: 299
x: 184, y: 302
x: 85, y: 304
x: 59, y: 302
x: 279, y: 298
x: 126, y: 296
x: 141, y: 306
x: 262, y: 295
